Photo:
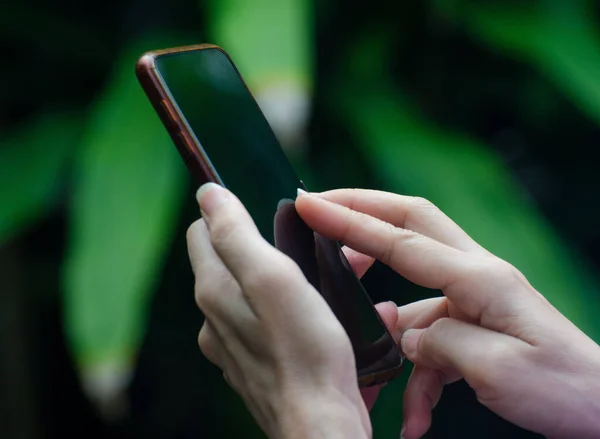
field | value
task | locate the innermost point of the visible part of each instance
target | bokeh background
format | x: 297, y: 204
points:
x: 491, y: 109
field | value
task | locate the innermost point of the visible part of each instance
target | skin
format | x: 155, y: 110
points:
x: 282, y: 349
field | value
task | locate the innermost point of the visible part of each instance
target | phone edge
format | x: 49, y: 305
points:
x: 191, y: 152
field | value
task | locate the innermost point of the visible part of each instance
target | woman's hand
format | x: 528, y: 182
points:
x: 275, y: 338
x: 525, y: 361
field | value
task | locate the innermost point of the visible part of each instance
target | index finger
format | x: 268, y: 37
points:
x: 420, y: 259
x: 412, y: 213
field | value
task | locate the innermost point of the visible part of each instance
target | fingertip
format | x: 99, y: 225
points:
x: 210, y: 197
x: 310, y: 207
x: 196, y: 227
x: 205, y: 188
x: 196, y: 232
x: 301, y: 192
x: 301, y: 197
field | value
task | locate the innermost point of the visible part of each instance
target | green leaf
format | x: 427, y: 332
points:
x: 270, y: 43
x: 267, y: 40
x: 129, y: 185
x: 559, y: 38
x: 31, y: 163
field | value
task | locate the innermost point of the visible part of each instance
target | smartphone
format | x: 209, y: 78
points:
x: 224, y: 138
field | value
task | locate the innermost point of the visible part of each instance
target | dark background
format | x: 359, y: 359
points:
x: 514, y: 82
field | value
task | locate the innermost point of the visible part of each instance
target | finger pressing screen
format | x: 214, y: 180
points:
x: 473, y: 282
x: 412, y: 213
x: 420, y: 259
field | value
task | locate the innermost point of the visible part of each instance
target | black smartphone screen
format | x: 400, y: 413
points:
x: 229, y: 126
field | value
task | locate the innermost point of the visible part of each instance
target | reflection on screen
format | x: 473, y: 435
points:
x: 228, y: 124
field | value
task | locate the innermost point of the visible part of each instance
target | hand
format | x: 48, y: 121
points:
x: 275, y: 338
x: 525, y: 361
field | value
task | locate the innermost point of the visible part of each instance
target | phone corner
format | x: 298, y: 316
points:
x: 145, y: 63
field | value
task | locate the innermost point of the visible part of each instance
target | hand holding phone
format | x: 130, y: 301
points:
x: 273, y: 335
x: 224, y: 138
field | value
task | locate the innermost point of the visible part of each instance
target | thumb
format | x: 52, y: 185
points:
x: 449, y: 345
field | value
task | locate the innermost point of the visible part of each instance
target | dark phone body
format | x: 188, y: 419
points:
x: 256, y: 170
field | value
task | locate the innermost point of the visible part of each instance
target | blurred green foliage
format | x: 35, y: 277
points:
x: 128, y: 190
x: 560, y: 38
x: 29, y: 168
x: 103, y: 160
x: 466, y: 180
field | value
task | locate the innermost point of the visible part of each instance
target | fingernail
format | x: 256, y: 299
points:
x: 393, y: 303
x: 302, y: 192
x: 310, y: 194
x: 210, y: 196
x: 409, y: 341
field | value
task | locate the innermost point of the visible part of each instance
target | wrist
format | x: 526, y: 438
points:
x: 324, y: 414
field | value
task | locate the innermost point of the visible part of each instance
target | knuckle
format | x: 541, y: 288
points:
x: 231, y: 382
x: 422, y: 213
x: 354, y: 195
x: 428, y: 341
x: 354, y: 219
x: 221, y: 233
x: 194, y: 229
x: 204, y: 294
x: 274, y: 276
x: 204, y: 340
x: 439, y: 326
x: 258, y: 280
x: 398, y: 237
x: 496, y: 355
x: 355, y: 215
x: 207, y: 344
x: 493, y: 366
x: 421, y: 203
x: 503, y: 272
